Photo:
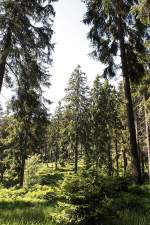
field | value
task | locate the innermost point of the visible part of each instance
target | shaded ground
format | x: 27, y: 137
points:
x: 37, y: 204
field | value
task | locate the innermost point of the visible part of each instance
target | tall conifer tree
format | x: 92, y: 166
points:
x: 26, y: 31
x: 115, y: 31
x: 76, y: 99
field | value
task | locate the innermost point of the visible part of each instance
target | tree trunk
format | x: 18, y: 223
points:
x: 97, y: 155
x: 117, y: 156
x: 136, y: 116
x: 4, y: 55
x: 142, y: 164
x: 56, y: 164
x: 110, y: 163
x: 23, y: 153
x: 76, y: 156
x: 125, y: 162
x: 1, y: 165
x: 147, y: 135
x: 21, y: 172
x: 76, y: 144
x: 116, y: 148
x: 56, y: 157
x: 129, y: 106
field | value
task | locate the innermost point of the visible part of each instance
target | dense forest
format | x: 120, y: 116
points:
x: 88, y: 162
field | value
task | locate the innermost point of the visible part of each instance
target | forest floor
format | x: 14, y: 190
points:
x: 41, y: 203
x: 33, y: 205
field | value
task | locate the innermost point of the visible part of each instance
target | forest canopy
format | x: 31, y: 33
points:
x: 88, y: 162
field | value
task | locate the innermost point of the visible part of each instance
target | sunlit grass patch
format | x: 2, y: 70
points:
x: 37, y: 215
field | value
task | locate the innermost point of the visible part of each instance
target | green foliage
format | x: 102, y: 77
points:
x: 143, y: 10
x: 26, y: 215
x: 90, y: 130
x: 104, y: 123
x: 32, y: 166
x: 116, y: 32
x: 36, y: 193
x: 103, y: 18
x: 86, y: 198
x: 134, y: 218
x: 90, y: 199
x: 76, y: 105
x: 51, y: 179
x: 26, y: 38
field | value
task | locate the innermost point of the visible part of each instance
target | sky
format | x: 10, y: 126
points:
x: 71, y: 48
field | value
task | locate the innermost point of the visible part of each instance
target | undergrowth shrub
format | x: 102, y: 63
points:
x: 31, y: 169
x: 35, y: 194
x: 53, y: 178
x: 134, y: 218
x: 89, y: 199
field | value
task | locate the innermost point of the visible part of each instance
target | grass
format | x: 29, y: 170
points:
x: 26, y: 215
x: 135, y: 218
x: 32, y: 205
x: 36, y: 204
x: 41, y: 203
x: 31, y: 209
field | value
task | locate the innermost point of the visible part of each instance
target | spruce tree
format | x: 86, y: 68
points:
x: 76, y: 99
x: 31, y: 114
x: 114, y: 32
x: 55, y: 134
x: 143, y: 10
x: 98, y: 122
x: 26, y: 31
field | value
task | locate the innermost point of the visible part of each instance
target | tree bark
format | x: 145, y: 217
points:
x: 76, y: 155
x: 129, y: 105
x: 21, y: 172
x: 2, y: 165
x: 56, y: 157
x: 97, y: 145
x: 125, y: 162
x: 147, y: 135
x: 23, y: 152
x: 136, y: 116
x: 110, y: 162
x: 76, y: 141
x: 4, y: 55
x: 143, y: 164
x: 117, y: 156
